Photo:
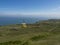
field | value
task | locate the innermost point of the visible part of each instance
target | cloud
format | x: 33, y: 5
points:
x: 50, y: 13
x: 44, y: 14
x: 56, y: 9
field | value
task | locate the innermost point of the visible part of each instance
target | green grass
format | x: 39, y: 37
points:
x: 16, y: 35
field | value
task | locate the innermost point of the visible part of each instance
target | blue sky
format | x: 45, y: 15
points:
x: 47, y: 8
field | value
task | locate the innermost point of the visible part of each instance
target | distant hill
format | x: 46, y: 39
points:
x: 49, y: 21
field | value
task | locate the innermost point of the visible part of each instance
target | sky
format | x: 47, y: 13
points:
x: 46, y: 8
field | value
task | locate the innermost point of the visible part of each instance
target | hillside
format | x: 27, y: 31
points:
x: 41, y: 33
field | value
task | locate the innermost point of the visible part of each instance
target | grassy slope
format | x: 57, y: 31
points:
x: 30, y: 35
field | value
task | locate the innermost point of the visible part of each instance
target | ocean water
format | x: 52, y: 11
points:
x: 18, y: 20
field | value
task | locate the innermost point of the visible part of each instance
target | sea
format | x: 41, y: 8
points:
x: 4, y: 20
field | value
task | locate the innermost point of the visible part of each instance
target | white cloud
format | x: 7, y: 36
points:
x: 50, y: 13
x: 56, y: 9
x: 44, y: 14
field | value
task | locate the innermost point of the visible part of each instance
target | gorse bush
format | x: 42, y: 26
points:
x: 11, y: 42
x: 15, y: 43
x: 39, y: 37
x: 26, y: 43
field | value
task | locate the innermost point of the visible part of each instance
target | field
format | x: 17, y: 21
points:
x: 34, y: 34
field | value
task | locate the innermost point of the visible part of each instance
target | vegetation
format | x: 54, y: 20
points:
x: 11, y: 42
x: 40, y: 33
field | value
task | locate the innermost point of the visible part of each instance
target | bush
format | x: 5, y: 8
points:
x: 26, y: 43
x: 11, y: 42
x: 36, y: 38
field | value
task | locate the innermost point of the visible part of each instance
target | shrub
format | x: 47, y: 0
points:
x: 36, y: 38
x: 26, y: 43
x: 11, y: 42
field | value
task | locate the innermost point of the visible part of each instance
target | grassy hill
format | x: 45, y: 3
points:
x: 41, y: 33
